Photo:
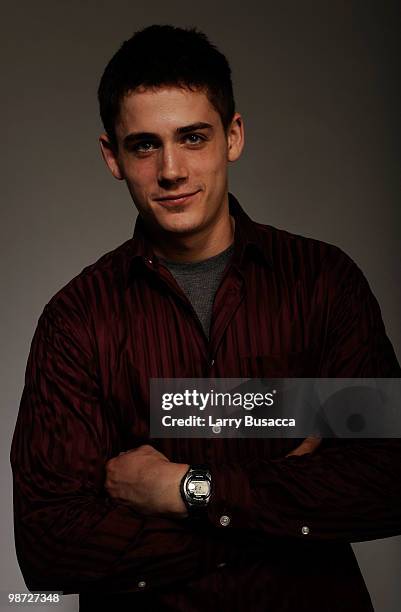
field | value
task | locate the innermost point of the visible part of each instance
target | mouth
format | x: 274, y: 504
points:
x: 174, y: 199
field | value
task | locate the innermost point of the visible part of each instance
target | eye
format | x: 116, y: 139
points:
x: 144, y: 147
x: 195, y: 138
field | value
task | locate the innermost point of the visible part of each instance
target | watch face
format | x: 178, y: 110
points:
x: 199, y: 488
x: 196, y: 488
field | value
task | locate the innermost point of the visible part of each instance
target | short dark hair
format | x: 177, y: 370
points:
x: 164, y: 55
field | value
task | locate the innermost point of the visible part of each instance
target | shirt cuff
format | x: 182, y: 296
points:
x: 230, y: 503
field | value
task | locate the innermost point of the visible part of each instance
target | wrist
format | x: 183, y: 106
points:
x: 176, y: 505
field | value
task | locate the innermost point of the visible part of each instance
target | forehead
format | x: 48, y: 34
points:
x: 163, y: 110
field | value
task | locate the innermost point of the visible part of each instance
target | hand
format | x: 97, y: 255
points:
x: 309, y: 445
x: 147, y: 480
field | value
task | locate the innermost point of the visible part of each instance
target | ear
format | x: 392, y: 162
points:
x: 110, y: 156
x: 235, y: 138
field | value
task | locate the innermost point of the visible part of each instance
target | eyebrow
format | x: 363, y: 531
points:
x: 195, y: 126
x: 135, y: 136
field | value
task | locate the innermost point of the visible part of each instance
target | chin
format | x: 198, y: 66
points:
x: 181, y: 228
x: 180, y: 224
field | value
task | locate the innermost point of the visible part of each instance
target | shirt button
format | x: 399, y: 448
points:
x: 305, y: 530
x: 211, y: 364
x: 220, y: 565
x: 141, y: 584
x: 150, y: 261
x: 225, y: 520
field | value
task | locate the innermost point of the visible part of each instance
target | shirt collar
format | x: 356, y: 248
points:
x: 249, y: 239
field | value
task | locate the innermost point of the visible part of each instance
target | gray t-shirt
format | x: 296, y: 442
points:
x: 200, y: 280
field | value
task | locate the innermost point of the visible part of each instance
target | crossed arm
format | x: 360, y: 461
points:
x: 147, y: 480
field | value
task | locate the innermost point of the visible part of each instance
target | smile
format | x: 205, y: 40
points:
x: 176, y: 199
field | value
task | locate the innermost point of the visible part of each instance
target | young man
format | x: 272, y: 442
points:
x: 200, y: 290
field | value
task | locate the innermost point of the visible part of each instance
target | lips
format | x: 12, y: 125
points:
x: 178, y: 198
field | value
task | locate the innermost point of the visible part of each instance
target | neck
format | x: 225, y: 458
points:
x: 198, y: 246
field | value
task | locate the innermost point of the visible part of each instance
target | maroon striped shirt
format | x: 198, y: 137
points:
x: 286, y: 306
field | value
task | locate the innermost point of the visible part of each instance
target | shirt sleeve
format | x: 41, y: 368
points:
x: 70, y: 535
x: 348, y: 489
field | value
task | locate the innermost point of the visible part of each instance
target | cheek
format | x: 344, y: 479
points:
x: 141, y: 176
x: 217, y: 173
x: 211, y: 164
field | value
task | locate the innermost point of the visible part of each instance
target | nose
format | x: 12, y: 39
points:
x: 172, y: 166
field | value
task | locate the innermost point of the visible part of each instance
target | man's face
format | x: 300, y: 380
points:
x: 173, y: 153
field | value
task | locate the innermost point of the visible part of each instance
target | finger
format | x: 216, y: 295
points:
x: 309, y: 445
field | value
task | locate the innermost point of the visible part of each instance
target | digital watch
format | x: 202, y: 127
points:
x: 196, y: 488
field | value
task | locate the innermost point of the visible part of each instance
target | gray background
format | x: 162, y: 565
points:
x: 316, y: 83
